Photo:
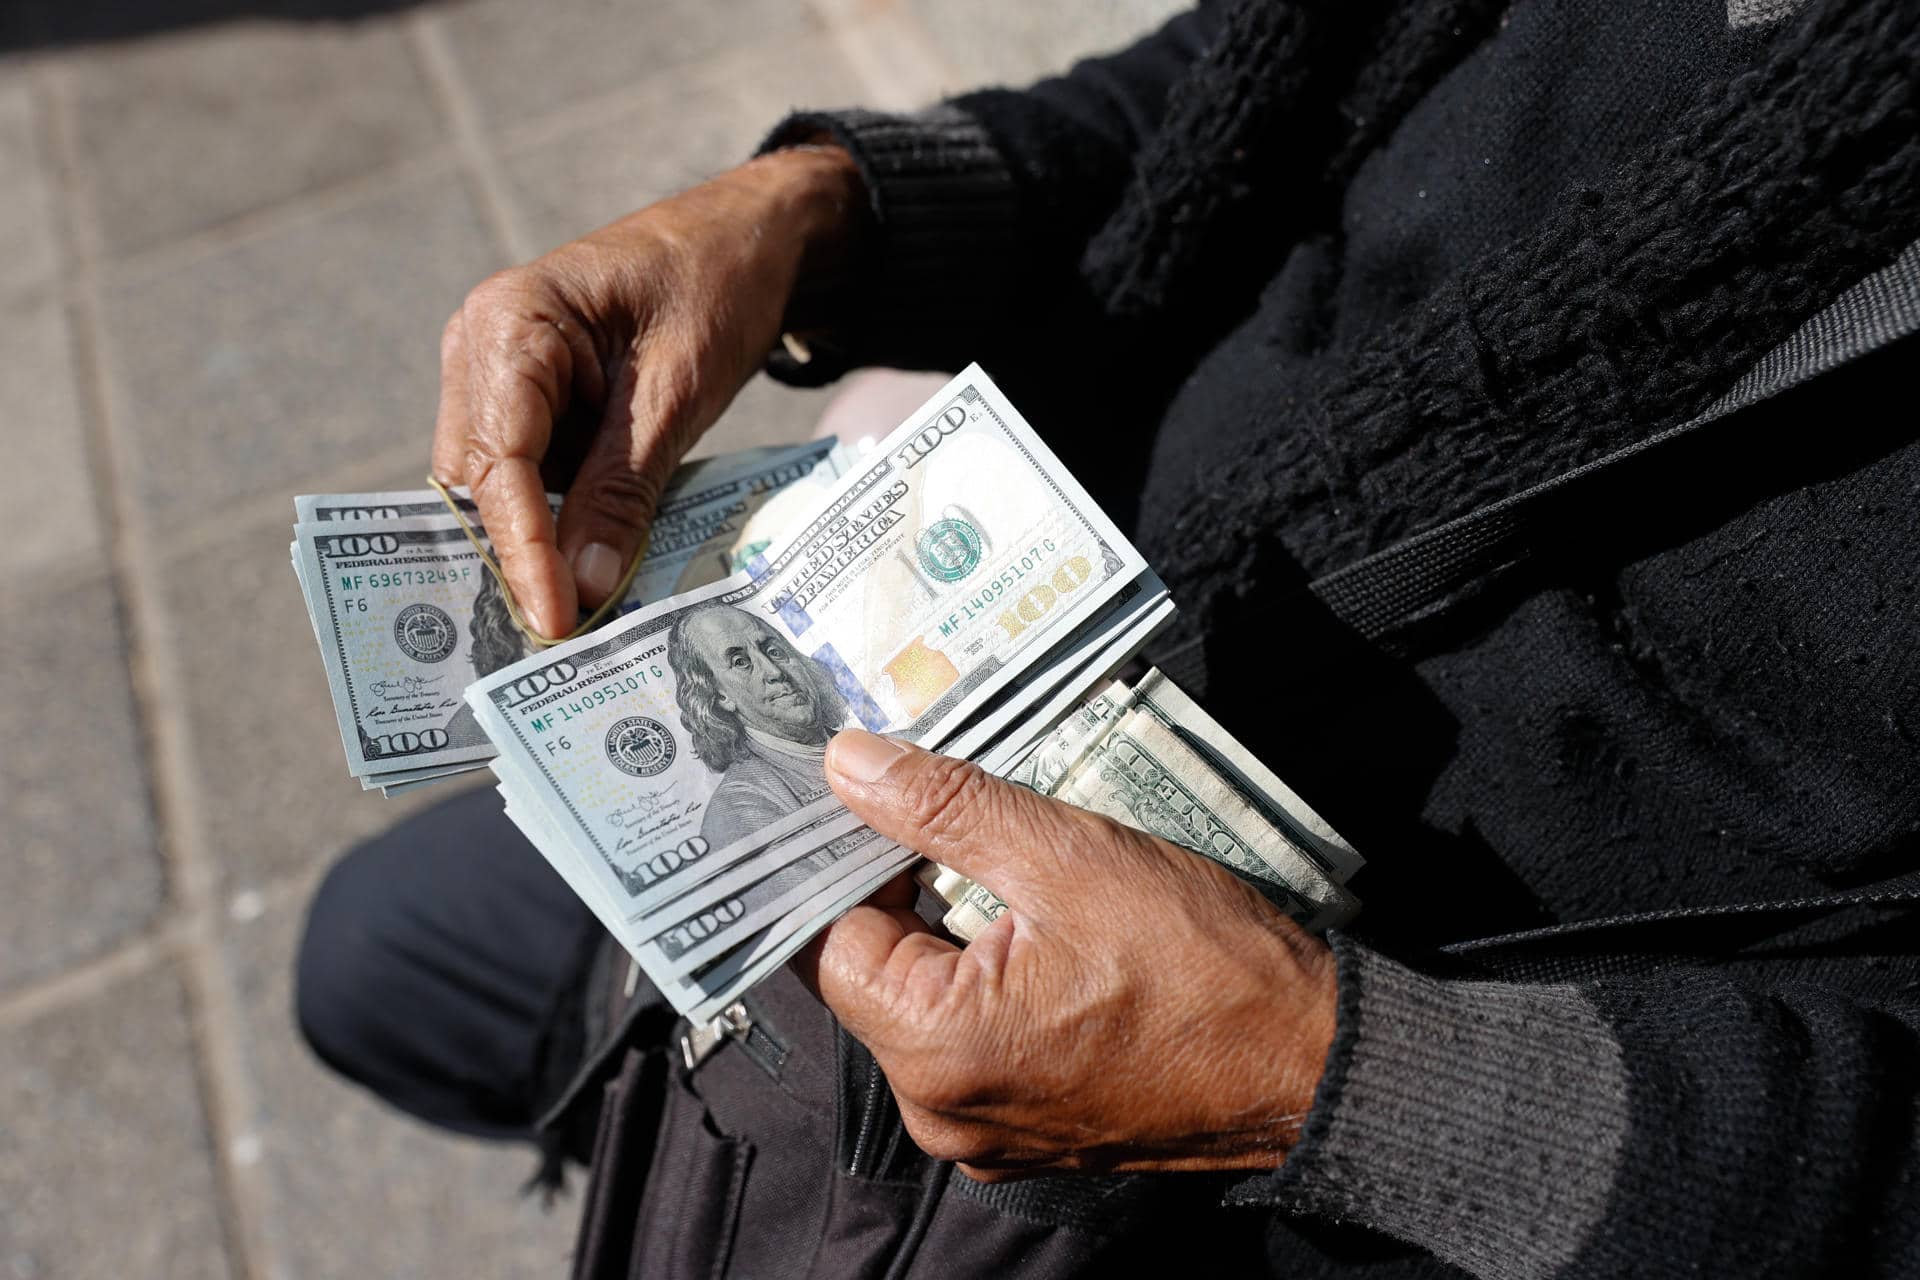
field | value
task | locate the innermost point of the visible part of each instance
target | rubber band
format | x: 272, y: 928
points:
x: 598, y: 616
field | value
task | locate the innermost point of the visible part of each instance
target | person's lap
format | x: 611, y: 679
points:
x: 437, y: 966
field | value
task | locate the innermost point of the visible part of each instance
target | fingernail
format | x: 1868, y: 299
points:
x: 863, y: 756
x: 596, y: 569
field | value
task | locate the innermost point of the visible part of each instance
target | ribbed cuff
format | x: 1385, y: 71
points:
x: 944, y: 204
x: 1482, y: 1121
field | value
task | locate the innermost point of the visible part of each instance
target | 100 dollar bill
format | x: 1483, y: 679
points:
x: 671, y: 745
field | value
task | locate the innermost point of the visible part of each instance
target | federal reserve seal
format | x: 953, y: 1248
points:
x: 640, y: 746
x: 949, y: 549
x: 425, y: 633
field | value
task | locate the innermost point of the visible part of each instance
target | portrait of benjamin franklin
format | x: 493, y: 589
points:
x: 758, y: 712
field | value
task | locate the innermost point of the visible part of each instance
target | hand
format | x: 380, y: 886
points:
x: 1137, y: 1007
x: 630, y: 342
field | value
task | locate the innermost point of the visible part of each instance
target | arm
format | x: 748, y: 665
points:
x: 988, y: 197
x: 1685, y: 1122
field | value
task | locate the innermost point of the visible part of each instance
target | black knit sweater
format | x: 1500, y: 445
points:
x: 1285, y: 283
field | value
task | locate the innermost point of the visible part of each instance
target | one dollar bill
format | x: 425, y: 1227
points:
x: 1149, y: 757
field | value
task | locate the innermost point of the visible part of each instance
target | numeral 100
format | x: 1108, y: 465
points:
x: 915, y: 450
x: 1042, y: 596
x: 352, y: 544
x: 711, y: 921
x: 404, y: 744
x: 535, y: 683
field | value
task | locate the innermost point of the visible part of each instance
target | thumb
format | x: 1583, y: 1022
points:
x: 953, y: 812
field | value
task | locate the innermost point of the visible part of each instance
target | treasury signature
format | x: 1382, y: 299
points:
x: 404, y: 687
x: 640, y: 809
x: 663, y: 819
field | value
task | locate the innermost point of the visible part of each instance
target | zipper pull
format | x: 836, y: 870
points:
x: 698, y: 1043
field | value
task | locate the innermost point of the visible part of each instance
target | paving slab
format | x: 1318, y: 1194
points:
x: 522, y: 61
x: 269, y: 776
x: 334, y: 1160
x: 105, y: 1167
x: 267, y: 365
x: 29, y: 248
x: 83, y: 869
x: 1015, y: 42
x: 676, y: 128
x: 181, y: 131
x: 47, y: 512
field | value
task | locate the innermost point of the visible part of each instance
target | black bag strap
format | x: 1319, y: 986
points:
x: 1421, y: 576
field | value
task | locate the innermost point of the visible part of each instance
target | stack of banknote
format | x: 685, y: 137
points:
x: 407, y: 614
x: 954, y: 587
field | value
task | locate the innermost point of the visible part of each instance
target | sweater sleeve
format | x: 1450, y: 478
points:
x: 1689, y: 1122
x: 987, y: 191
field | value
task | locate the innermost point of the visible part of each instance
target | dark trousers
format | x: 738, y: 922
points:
x: 442, y: 967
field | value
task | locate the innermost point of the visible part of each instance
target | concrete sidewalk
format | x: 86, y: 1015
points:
x: 227, y: 243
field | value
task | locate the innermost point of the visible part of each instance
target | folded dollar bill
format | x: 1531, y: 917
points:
x: 1149, y: 757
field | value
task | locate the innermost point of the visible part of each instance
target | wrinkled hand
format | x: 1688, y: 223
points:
x: 629, y: 343
x: 1137, y: 1007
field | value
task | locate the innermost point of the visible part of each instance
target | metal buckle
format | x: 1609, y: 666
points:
x: 698, y: 1043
